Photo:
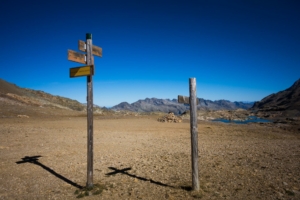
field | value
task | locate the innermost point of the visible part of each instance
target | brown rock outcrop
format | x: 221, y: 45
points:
x: 170, y: 118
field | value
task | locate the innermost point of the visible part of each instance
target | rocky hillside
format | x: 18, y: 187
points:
x: 167, y: 105
x: 14, y: 99
x: 222, y: 105
x: 286, y: 101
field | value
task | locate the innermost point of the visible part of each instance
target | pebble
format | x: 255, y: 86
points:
x: 284, y: 183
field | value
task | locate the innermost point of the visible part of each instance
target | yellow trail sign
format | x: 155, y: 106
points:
x: 97, y: 51
x: 82, y: 71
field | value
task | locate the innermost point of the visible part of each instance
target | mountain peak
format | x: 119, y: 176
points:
x: 286, y: 100
x: 294, y: 86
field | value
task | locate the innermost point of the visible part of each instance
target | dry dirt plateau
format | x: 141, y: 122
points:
x: 140, y: 158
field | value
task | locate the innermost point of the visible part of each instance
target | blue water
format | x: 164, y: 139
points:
x: 252, y: 119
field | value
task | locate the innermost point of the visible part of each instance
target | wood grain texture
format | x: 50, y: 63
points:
x: 97, y: 51
x: 90, y: 127
x: 76, y: 57
x: 81, y: 45
x: 194, y: 134
x: 185, y: 99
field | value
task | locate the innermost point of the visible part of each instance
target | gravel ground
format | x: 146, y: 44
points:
x: 140, y: 158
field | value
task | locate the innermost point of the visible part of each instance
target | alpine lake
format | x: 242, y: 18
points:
x: 251, y: 119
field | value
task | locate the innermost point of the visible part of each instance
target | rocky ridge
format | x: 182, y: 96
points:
x: 167, y: 105
x: 285, y: 103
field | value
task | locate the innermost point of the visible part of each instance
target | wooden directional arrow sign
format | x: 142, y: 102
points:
x: 76, y: 57
x: 97, y: 51
x: 82, y: 71
x: 81, y: 45
x: 186, y: 100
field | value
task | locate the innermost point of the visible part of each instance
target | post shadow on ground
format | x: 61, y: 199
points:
x: 124, y: 171
x: 35, y: 160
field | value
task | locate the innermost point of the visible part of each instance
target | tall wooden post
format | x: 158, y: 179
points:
x: 194, y: 133
x: 88, y: 71
x: 89, y: 61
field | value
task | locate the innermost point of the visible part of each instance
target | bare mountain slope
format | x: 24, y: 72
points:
x: 6, y: 87
x: 15, y: 100
x: 286, y: 101
x: 15, y: 94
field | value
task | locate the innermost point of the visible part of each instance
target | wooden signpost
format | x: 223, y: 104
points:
x: 89, y: 72
x: 193, y: 101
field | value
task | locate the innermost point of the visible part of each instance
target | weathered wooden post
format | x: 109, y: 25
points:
x: 88, y: 71
x: 193, y: 101
x: 194, y: 133
x: 90, y: 130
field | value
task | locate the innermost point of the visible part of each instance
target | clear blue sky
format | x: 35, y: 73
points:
x: 239, y: 50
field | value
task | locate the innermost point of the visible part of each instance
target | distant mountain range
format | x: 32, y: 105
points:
x: 167, y: 105
x: 283, y: 103
x: 287, y: 101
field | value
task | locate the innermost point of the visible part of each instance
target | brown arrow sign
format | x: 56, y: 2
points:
x: 76, y: 57
x: 97, y: 51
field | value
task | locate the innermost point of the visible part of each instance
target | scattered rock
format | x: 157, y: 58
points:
x: 23, y: 116
x: 290, y: 192
x: 170, y: 118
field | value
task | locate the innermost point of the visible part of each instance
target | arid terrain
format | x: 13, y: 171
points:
x: 137, y: 157
x: 43, y: 149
